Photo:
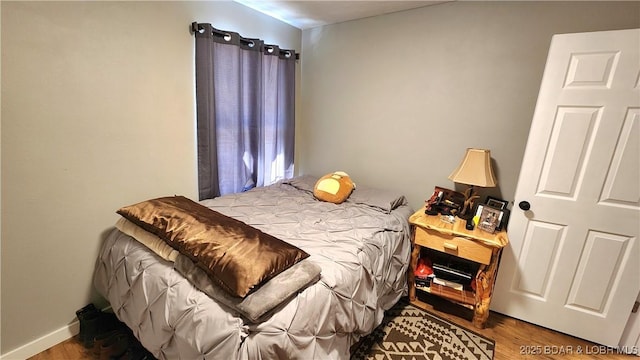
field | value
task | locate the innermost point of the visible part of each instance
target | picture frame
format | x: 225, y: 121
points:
x: 505, y: 216
x: 490, y: 218
x: 505, y: 220
x: 496, y: 203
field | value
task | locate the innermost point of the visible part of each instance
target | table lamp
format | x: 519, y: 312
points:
x: 474, y: 170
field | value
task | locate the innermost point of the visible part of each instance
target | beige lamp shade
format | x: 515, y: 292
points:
x: 475, y: 169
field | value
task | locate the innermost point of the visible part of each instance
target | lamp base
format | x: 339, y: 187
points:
x: 465, y: 217
x: 470, y: 197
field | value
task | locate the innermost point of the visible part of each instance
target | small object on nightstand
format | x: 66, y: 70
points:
x: 424, y: 273
x: 424, y: 267
x: 444, y: 201
x: 469, y: 225
x: 449, y: 219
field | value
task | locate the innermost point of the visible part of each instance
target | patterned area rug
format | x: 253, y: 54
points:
x: 411, y: 333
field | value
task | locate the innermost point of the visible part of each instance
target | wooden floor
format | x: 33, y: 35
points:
x: 515, y: 339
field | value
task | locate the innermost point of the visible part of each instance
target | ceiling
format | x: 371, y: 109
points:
x: 306, y: 14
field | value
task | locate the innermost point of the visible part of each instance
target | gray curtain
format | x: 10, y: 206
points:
x: 245, y: 94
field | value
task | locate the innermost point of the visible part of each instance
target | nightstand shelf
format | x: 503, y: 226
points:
x: 465, y: 298
x: 477, y: 246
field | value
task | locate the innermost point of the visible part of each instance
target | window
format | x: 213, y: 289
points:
x: 245, y: 93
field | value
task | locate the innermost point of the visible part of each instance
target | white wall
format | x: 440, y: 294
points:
x: 395, y: 100
x: 97, y: 113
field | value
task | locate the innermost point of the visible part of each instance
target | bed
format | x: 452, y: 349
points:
x: 359, y: 248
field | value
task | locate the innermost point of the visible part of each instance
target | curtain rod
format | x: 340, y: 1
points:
x: 195, y: 27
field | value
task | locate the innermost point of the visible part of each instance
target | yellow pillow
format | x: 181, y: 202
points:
x: 335, y: 187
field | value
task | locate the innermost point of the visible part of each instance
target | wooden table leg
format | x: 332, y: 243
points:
x: 483, y: 299
x: 484, y: 289
x: 411, y: 277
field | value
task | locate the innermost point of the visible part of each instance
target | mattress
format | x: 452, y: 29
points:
x: 362, y: 247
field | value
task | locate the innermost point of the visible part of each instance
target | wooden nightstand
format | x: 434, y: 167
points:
x: 475, y: 245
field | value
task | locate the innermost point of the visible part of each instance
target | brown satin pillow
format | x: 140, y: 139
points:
x: 236, y: 256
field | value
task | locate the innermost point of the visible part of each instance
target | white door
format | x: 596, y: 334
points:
x: 573, y: 263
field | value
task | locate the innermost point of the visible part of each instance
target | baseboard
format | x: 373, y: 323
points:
x: 39, y: 345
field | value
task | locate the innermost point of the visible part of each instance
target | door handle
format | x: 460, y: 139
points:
x: 524, y: 205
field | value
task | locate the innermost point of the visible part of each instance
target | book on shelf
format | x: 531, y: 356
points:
x: 462, y: 296
x: 447, y: 283
x: 424, y: 281
x: 451, y: 273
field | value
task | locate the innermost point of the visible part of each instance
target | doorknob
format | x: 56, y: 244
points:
x: 524, y: 205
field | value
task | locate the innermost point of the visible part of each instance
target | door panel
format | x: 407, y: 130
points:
x: 539, y: 260
x: 570, y: 141
x: 624, y: 165
x: 591, y: 70
x: 573, y: 263
x: 604, y: 256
